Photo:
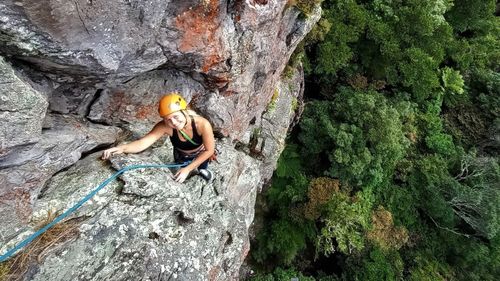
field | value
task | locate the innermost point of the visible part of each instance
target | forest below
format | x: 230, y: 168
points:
x: 393, y: 172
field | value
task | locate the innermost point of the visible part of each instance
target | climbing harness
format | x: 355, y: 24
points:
x: 26, y: 241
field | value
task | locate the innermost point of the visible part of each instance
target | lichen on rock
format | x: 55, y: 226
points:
x: 83, y: 76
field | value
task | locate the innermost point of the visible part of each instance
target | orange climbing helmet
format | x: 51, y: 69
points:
x: 170, y: 103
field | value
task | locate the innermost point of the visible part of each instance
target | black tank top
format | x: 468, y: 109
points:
x: 186, y: 145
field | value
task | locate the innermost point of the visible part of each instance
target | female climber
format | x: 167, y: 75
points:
x: 191, y: 136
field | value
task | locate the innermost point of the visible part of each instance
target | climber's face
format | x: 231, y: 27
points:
x: 176, y: 120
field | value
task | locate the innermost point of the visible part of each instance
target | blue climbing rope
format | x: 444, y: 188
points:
x: 26, y: 241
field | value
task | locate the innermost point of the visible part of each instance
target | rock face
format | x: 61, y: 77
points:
x: 147, y: 226
x: 22, y: 107
x: 80, y: 76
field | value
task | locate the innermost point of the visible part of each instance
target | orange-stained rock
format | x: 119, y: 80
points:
x: 200, y: 28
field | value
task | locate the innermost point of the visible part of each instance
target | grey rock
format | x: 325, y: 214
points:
x: 82, y: 38
x: 25, y: 169
x: 236, y: 49
x: 134, y: 105
x: 281, y: 115
x: 67, y: 187
x: 150, y: 227
x: 72, y: 98
x: 103, y: 66
x: 22, y: 110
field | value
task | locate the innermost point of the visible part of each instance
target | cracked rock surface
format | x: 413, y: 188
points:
x: 145, y: 226
x: 80, y: 76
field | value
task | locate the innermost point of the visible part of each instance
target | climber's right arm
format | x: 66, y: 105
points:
x: 138, y: 145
